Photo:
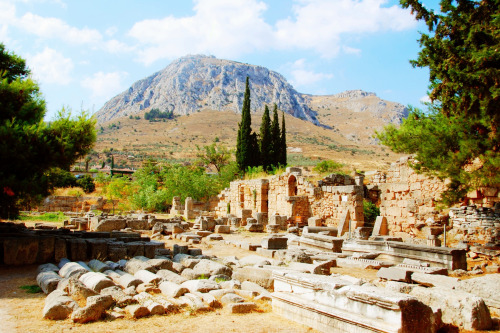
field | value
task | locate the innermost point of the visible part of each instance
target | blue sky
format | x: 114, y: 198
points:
x: 83, y: 53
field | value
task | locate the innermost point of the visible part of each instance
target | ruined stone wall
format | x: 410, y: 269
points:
x: 55, y: 203
x: 336, y: 200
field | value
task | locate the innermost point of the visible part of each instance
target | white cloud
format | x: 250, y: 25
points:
x: 425, y: 99
x: 111, y: 31
x: 226, y: 28
x: 50, y: 27
x: 103, y: 86
x: 319, y: 25
x: 50, y: 66
x: 301, y: 76
x: 229, y: 28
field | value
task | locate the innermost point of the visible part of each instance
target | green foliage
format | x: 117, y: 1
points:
x: 265, y: 142
x: 282, y: 150
x: 216, y: 155
x: 31, y: 289
x: 457, y: 138
x: 45, y: 217
x: 31, y: 146
x: 157, y: 114
x: 247, y: 149
x: 86, y: 183
x: 328, y: 167
x: 370, y: 211
x: 58, y: 177
x: 116, y: 188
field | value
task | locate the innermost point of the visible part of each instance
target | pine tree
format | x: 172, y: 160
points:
x: 244, y: 142
x: 275, y: 138
x: 265, y: 142
x: 282, y: 160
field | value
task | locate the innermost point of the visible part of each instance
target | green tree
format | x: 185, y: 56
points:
x: 246, y: 143
x: 117, y: 188
x: 282, y: 151
x: 86, y: 183
x: 457, y: 138
x: 265, y: 142
x: 275, y: 137
x: 32, y: 146
x: 216, y: 155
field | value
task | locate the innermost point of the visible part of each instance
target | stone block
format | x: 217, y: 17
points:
x: 394, y: 274
x: 77, y: 249
x: 98, y: 248
x: 380, y: 228
x: 260, y: 276
x: 222, y: 229
x: 343, y: 225
x: 274, y: 242
x: 254, y: 227
x: 244, y: 307
x: 20, y: 251
x: 314, y: 222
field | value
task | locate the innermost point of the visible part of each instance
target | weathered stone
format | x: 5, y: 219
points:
x: 244, y: 307
x: 135, y: 264
x: 380, y: 228
x: 96, y: 281
x: 148, y: 288
x: 135, y: 249
x: 88, y: 314
x: 58, y: 306
x: 98, y: 266
x: 77, y: 290
x: 121, y: 299
x: 345, y: 220
x: 147, y: 276
x: 135, y: 224
x: 296, y: 255
x: 209, y: 267
x: 458, y: 308
x: 71, y: 269
x: 106, y: 301
x: 222, y: 229
x: 274, y: 242
x: 108, y: 224
x: 190, y: 274
x: 261, y: 276
x: 128, y: 280
x: 202, y: 285
x: 432, y: 280
x: 171, y: 289
x: 20, y: 251
x: 98, y: 248
x: 209, y: 299
x: 487, y: 287
x: 45, y: 249
x: 137, y: 311
x: 60, y: 249
x: 47, y: 268
x: 394, y: 274
x: 232, y: 298
x: 167, y: 275
x: 48, y: 281
x: 254, y: 260
x: 77, y: 249
x: 255, y: 227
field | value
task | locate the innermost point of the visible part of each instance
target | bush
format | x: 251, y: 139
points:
x: 61, y: 178
x: 86, y: 183
x: 328, y: 167
x: 371, y: 211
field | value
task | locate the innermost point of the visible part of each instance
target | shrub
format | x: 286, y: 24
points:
x: 371, y: 211
x: 328, y: 167
x: 86, y: 183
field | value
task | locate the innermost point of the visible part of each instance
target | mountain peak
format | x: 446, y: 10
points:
x: 200, y: 82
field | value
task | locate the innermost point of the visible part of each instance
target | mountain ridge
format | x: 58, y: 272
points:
x: 195, y: 83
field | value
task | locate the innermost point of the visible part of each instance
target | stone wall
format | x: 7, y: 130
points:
x: 293, y: 195
x: 56, y: 203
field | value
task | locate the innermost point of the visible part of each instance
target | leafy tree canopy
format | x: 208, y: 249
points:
x: 457, y: 138
x: 31, y: 146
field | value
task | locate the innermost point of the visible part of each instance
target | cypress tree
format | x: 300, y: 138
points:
x: 282, y: 159
x: 275, y: 138
x: 265, y: 143
x: 244, y: 141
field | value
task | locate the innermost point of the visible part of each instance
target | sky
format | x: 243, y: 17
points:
x: 84, y: 52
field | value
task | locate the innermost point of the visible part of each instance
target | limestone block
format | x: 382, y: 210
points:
x: 48, y: 281
x: 98, y: 248
x: 47, y: 268
x: 77, y: 249
x: 254, y: 227
x: 244, y: 307
x: 432, y: 280
x: 135, y: 249
x: 109, y: 225
x: 380, y: 228
x: 71, y: 268
x: 106, y: 301
x: 222, y: 229
x: 77, y: 290
x: 458, y: 308
x: 60, y: 249
x: 98, y: 266
x: 46, y: 249
x: 202, y: 285
x: 88, y: 314
x: 137, y: 311
x: 172, y: 289
x: 209, y: 299
x: 260, y: 276
x: 96, y: 281
x: 121, y: 299
x: 134, y: 264
x: 58, y: 306
x: 137, y: 224
x: 394, y: 274
x: 487, y: 287
x: 343, y: 225
x: 20, y: 251
x: 128, y: 280
x: 230, y: 298
x: 209, y: 267
x: 274, y: 242
x: 147, y: 276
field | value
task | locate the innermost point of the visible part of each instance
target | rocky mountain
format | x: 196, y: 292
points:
x: 195, y: 83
